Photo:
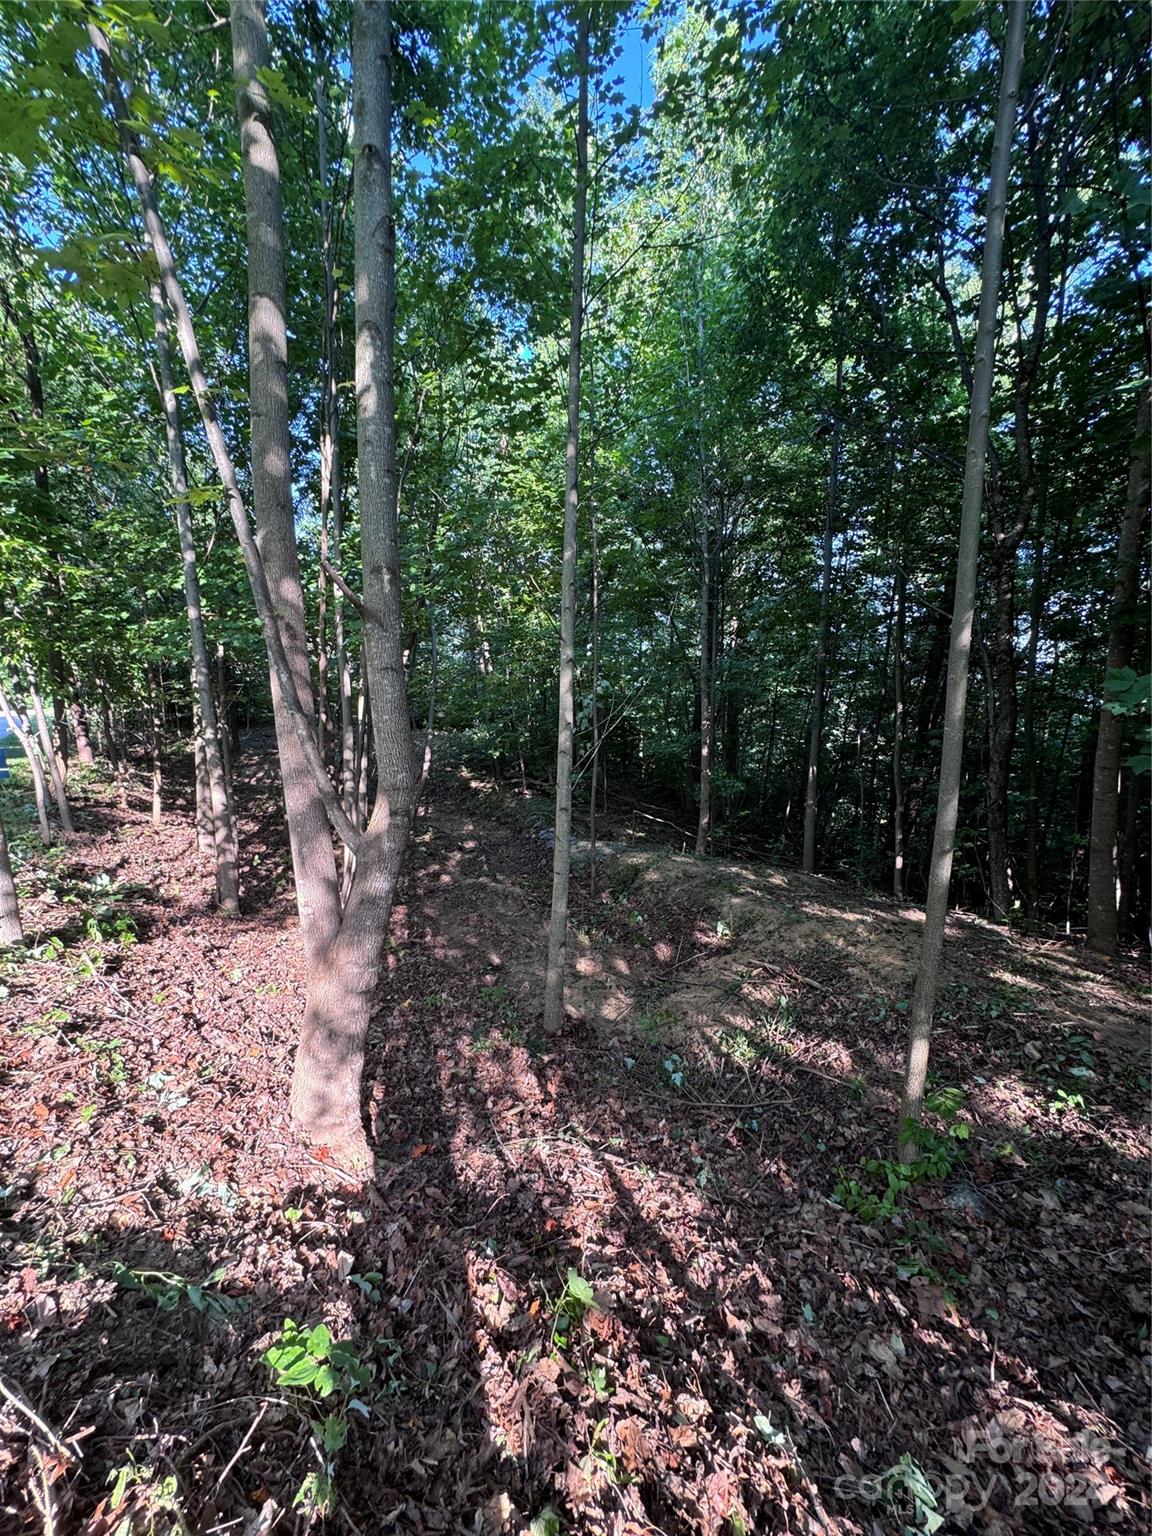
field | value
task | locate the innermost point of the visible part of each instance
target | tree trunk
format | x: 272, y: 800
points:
x: 1031, y: 750
x: 11, y: 929
x: 1103, y: 929
x: 707, y: 612
x: 812, y: 779
x: 79, y: 723
x: 952, y: 748
x: 222, y: 830
x: 58, y: 792
x: 558, y: 925
x: 155, y: 739
x: 285, y: 676
x: 342, y: 981
x: 898, y: 887
x: 313, y: 864
x: 39, y: 788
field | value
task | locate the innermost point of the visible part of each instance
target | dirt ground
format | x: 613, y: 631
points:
x: 644, y: 1278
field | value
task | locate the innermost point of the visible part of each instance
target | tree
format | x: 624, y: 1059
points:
x: 1102, y: 844
x: 11, y: 928
x: 558, y: 922
x: 952, y: 746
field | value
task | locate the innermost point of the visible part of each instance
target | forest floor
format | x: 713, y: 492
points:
x: 656, y: 1276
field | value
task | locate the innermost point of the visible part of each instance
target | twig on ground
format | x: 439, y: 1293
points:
x: 34, y: 1418
x: 241, y: 1448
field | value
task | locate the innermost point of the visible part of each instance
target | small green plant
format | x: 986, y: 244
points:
x: 168, y: 1290
x: 148, y: 1505
x: 876, y: 1197
x: 368, y: 1284
x: 572, y: 1303
x: 674, y: 1070
x: 907, y: 1492
x: 109, y: 1058
x: 326, y: 1377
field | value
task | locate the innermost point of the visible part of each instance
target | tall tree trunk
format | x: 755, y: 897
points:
x: 313, y: 864
x: 11, y: 929
x: 223, y: 830
x: 812, y: 778
x: 1103, y: 928
x: 952, y: 747
x: 707, y: 607
x: 594, y: 553
x: 342, y: 982
x: 1031, y: 750
x: 901, y: 594
x: 1007, y: 540
x: 558, y: 925
x: 309, y: 755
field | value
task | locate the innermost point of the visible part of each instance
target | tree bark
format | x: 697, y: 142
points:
x: 812, y: 778
x: 225, y: 467
x: 1103, y: 925
x: 58, y: 791
x: 707, y: 611
x: 39, y: 788
x: 313, y: 863
x: 342, y: 980
x: 952, y: 748
x: 558, y: 924
x: 11, y: 929
x: 222, y: 827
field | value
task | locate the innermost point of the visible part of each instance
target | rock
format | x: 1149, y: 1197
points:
x: 967, y: 1199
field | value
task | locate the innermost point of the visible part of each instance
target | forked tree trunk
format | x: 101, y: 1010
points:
x: 558, y: 923
x: 952, y: 748
x: 11, y: 929
x: 221, y: 828
x: 812, y: 777
x: 309, y: 756
x: 1103, y: 925
x: 342, y: 979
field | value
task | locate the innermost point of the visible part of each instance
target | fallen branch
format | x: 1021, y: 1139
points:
x: 34, y: 1418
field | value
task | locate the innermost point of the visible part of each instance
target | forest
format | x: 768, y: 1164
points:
x: 575, y: 745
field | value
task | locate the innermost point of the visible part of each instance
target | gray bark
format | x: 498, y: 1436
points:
x: 222, y: 458
x: 222, y: 830
x: 342, y: 981
x: 313, y: 864
x: 11, y: 929
x: 960, y: 647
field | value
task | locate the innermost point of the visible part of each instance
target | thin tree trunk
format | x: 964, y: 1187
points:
x: 11, y: 929
x: 952, y: 748
x: 39, y: 788
x: 205, y: 843
x: 58, y: 792
x: 342, y: 981
x: 1103, y: 928
x: 558, y: 925
x: 812, y: 779
x: 222, y: 830
x: 707, y: 613
x: 155, y: 740
x: 1031, y: 753
x: 313, y: 863
x: 898, y: 883
x: 309, y: 754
